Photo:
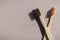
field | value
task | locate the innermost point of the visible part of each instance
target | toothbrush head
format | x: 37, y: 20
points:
x: 38, y: 12
x: 53, y: 9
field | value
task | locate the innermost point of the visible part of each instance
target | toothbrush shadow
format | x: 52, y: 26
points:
x: 48, y: 16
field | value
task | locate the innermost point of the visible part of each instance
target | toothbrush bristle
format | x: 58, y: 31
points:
x: 38, y: 12
x: 52, y: 11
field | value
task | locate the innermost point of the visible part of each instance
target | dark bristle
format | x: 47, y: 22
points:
x: 38, y: 12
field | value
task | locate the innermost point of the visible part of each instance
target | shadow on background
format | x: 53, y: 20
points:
x: 48, y: 15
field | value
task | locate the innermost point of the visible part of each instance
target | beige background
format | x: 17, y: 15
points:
x: 15, y: 23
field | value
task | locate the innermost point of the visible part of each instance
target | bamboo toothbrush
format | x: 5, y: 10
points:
x: 50, y: 20
x: 53, y: 10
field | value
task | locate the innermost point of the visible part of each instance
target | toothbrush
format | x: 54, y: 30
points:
x: 50, y: 20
